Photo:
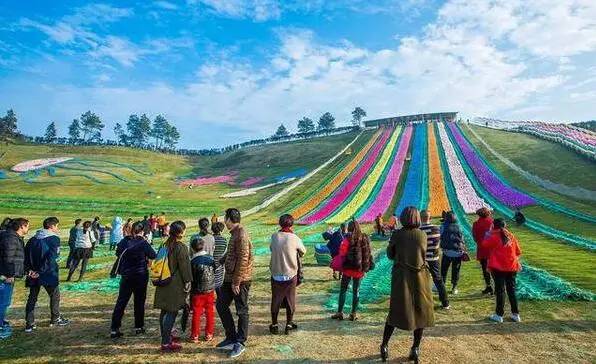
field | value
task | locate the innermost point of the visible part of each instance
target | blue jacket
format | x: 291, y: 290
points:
x: 134, y: 261
x: 41, y: 256
x: 334, y: 241
x: 116, y: 234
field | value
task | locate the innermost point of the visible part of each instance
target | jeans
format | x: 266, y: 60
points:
x: 435, y: 272
x: 203, y: 303
x: 74, y: 265
x: 6, y: 290
x: 70, y: 258
x: 456, y: 262
x: 345, y: 282
x: 225, y: 296
x: 505, y: 280
x: 133, y: 285
x: 485, y: 272
x: 53, y: 293
x: 166, y: 324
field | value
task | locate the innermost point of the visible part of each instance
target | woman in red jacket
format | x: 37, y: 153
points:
x: 479, y: 230
x: 357, y: 260
x: 503, y: 262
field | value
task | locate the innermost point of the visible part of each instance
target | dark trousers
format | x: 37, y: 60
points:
x: 456, y: 265
x: 74, y: 265
x: 283, y: 294
x: 137, y: 286
x: 70, y: 258
x: 225, y: 296
x: 167, y: 320
x: 485, y: 272
x: 505, y: 280
x: 53, y: 293
x: 345, y: 282
x: 435, y: 272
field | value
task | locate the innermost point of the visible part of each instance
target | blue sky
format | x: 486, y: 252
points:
x: 230, y: 70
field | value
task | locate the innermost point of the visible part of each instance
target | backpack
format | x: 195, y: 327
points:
x: 160, y: 273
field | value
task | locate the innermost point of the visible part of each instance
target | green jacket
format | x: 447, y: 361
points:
x: 172, y: 297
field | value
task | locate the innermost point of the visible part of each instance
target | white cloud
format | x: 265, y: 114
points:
x: 258, y: 10
x: 165, y: 5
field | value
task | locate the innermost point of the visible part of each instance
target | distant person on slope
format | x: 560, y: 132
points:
x: 334, y: 239
x: 41, y: 266
x: 286, y: 248
x: 380, y: 229
x: 433, y: 240
x: 134, y: 253
x: 452, y: 243
x: 519, y: 217
x: 95, y: 228
x: 116, y: 234
x: 480, y: 229
x: 83, y: 250
x: 503, y: 262
x: 411, y: 301
x: 356, y: 260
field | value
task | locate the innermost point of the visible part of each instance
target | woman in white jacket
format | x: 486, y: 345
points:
x: 84, y: 246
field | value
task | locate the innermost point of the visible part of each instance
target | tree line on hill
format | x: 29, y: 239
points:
x: 159, y: 134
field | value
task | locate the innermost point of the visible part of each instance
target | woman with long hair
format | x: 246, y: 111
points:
x: 411, y: 301
x: 503, y: 262
x: 453, y: 246
x: 480, y: 229
x: 357, y: 261
x: 172, y: 297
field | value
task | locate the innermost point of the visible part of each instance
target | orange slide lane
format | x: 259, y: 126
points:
x: 315, y: 200
x: 438, y: 201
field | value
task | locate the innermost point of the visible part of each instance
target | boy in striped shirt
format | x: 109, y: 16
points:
x: 433, y: 235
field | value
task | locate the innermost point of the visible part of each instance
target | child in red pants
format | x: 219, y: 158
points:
x: 202, y: 291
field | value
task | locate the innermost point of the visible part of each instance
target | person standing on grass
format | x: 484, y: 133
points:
x: 219, y: 252
x: 202, y: 293
x: 83, y: 250
x: 236, y: 287
x: 285, y: 248
x: 12, y: 266
x: 72, y: 239
x: 452, y: 243
x: 334, y: 240
x: 204, y: 234
x: 95, y: 228
x: 214, y: 219
x: 411, y: 301
x: 172, y: 297
x: 133, y: 254
x: 357, y: 261
x: 503, y: 263
x: 161, y: 222
x: 127, y: 228
x: 379, y: 227
x: 433, y: 239
x: 480, y: 229
x: 41, y: 266
x: 116, y: 234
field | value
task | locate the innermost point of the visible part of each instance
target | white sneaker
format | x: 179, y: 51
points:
x: 496, y: 318
x: 454, y: 291
x: 515, y: 317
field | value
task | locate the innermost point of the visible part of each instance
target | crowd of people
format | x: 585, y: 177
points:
x: 194, y: 281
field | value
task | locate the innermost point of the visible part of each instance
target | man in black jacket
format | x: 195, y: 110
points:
x: 11, y: 266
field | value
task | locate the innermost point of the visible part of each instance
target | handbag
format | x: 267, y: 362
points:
x: 116, y: 266
x: 337, y: 263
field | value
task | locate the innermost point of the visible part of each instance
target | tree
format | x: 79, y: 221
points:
x: 159, y: 130
x: 357, y: 115
x: 51, y: 132
x: 8, y: 125
x: 91, y: 125
x: 306, y: 125
x: 120, y: 134
x: 326, y: 122
x: 171, y: 136
x: 281, y: 131
x: 138, y: 129
x: 74, y: 130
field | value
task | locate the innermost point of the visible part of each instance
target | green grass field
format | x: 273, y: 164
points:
x: 552, y: 331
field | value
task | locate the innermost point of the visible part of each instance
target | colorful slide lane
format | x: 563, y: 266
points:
x: 366, y: 189
x: 345, y: 191
x: 329, y: 188
x: 415, y: 186
x: 438, y: 196
x: 383, y: 198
